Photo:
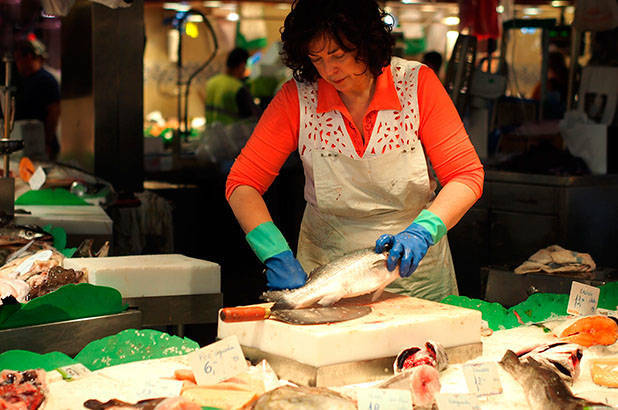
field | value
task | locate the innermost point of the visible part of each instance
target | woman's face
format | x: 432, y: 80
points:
x: 337, y: 66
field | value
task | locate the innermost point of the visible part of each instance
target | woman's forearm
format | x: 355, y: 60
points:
x: 452, y: 202
x: 248, y: 207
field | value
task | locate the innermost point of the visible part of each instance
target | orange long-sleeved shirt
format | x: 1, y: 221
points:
x: 441, y: 132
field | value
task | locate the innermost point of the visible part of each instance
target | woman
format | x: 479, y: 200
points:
x: 362, y: 123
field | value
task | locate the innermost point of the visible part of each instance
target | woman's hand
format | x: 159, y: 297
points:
x: 407, y: 248
x: 283, y: 271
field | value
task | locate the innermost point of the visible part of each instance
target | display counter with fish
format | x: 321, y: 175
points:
x: 526, y: 360
x: 315, y: 353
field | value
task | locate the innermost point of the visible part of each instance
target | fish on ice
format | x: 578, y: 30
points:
x: 544, y: 389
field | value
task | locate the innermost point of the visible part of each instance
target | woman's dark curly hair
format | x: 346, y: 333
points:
x: 358, y: 23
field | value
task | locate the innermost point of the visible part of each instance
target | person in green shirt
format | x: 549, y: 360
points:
x: 227, y: 97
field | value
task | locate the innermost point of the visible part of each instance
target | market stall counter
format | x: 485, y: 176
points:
x: 169, y: 289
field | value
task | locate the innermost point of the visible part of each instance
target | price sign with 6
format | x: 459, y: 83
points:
x: 218, y: 361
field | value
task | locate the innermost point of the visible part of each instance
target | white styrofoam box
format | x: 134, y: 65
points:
x: 75, y: 219
x: 151, y: 275
x: 396, y: 322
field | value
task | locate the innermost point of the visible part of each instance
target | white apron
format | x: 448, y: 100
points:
x: 351, y: 200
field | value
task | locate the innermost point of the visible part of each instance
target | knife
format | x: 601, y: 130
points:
x: 308, y: 316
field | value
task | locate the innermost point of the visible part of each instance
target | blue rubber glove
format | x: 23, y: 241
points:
x: 284, y: 272
x: 409, y: 246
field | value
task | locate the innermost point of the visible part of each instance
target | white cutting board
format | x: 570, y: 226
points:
x: 396, y: 322
x: 151, y: 275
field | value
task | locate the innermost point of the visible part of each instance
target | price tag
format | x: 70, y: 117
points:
x: 384, y: 399
x: 482, y: 378
x: 583, y: 299
x: 457, y: 401
x: 37, y: 179
x: 73, y: 371
x: 218, y: 361
x: 155, y: 388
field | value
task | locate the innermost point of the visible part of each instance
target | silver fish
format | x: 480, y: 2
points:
x: 353, y: 274
x: 544, y: 389
x: 561, y: 356
x: 291, y: 397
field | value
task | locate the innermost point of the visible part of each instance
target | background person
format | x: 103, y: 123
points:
x: 38, y: 93
x: 227, y: 97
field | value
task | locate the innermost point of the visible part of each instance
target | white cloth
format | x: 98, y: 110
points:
x: 352, y: 200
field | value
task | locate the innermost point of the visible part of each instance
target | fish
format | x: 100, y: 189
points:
x: 23, y: 389
x: 171, y: 403
x: 85, y: 250
x: 589, y: 331
x: 544, y: 389
x: 353, y: 274
x: 432, y: 354
x: 562, y: 357
x: 423, y: 381
x: 301, y: 397
x: 11, y: 234
x: 17, y: 288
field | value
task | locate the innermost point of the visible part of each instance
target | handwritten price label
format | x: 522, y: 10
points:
x: 457, y: 401
x: 583, y: 299
x: 482, y: 378
x: 384, y: 399
x: 218, y: 361
x: 73, y: 371
x: 156, y: 388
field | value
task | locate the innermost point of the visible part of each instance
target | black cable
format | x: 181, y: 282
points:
x: 197, y: 71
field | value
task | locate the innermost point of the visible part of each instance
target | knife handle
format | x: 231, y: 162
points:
x: 244, y: 314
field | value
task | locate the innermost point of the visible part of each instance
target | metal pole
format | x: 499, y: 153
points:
x: 575, y: 43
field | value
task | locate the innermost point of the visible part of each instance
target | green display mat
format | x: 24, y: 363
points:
x: 133, y: 345
x: 67, y: 303
x: 50, y: 196
x: 537, y: 308
x: 130, y: 345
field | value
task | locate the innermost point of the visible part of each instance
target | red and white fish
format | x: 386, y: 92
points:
x: 432, y: 354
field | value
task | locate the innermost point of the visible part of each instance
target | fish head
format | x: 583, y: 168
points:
x: 31, y: 232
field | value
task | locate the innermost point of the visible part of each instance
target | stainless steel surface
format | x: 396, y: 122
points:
x: 178, y: 310
x: 508, y: 288
x: 521, y: 213
x: 69, y: 336
x: 347, y: 373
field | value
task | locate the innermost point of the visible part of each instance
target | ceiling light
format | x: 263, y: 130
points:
x: 500, y: 9
x: 531, y: 11
x: 212, y: 3
x: 451, y: 20
x: 233, y: 17
x: 176, y: 6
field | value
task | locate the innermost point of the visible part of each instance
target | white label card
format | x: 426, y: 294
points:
x: 155, y: 388
x: 583, y: 299
x: 73, y: 371
x: 37, y: 179
x: 218, y: 361
x: 457, y: 401
x: 482, y: 378
x: 384, y: 399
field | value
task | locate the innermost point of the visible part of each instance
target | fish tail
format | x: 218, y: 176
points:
x: 280, y: 297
